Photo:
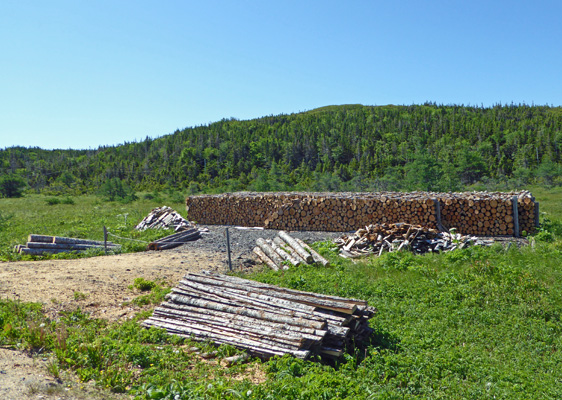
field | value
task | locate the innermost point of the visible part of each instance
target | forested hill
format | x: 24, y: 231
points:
x: 351, y: 147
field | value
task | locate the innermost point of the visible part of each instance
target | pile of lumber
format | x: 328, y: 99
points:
x: 263, y: 319
x: 284, y: 251
x: 42, y: 244
x: 175, y: 240
x: 474, y: 213
x: 163, y: 218
x: 379, y: 238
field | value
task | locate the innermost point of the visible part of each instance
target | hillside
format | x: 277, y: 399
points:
x: 351, y: 147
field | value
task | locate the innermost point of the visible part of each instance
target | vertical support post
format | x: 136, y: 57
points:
x: 228, y: 250
x: 105, y: 239
x: 515, y: 216
x: 438, y: 214
x: 537, y: 222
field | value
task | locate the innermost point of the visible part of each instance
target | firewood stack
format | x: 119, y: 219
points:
x: 284, y: 251
x: 264, y: 320
x: 486, y: 213
x: 379, y: 238
x: 332, y: 212
x: 163, y: 218
x: 473, y: 213
x: 43, y: 244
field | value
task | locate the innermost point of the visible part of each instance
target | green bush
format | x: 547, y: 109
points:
x: 11, y: 186
x: 115, y: 189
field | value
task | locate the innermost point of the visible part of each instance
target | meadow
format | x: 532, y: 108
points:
x: 476, y: 323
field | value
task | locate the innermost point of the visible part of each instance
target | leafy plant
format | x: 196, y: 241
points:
x: 11, y: 186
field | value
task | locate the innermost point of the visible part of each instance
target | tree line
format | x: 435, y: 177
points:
x: 349, y: 147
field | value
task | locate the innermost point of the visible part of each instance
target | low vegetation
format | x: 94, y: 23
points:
x: 80, y: 217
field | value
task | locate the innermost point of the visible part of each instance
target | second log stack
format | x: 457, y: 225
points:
x: 474, y: 213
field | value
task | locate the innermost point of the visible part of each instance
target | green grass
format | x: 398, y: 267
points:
x: 79, y: 217
x: 478, y: 323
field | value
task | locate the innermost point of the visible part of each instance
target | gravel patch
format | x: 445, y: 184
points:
x: 242, y: 242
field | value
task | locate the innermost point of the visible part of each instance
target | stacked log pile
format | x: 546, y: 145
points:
x: 175, y: 240
x: 332, y: 212
x: 42, y: 244
x: 284, y: 251
x: 487, y: 213
x: 163, y: 218
x: 474, y: 213
x: 379, y: 238
x: 263, y: 319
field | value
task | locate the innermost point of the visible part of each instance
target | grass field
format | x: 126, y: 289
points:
x: 478, y: 323
x: 79, y: 217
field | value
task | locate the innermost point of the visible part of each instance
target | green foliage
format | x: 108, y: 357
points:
x: 11, y: 186
x: 350, y: 147
x: 143, y: 285
x: 115, y: 189
x: 55, y: 200
x: 32, y: 214
x: 4, y: 218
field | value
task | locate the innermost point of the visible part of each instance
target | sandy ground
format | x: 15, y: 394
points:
x: 99, y: 286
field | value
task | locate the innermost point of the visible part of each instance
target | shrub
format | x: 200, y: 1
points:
x: 114, y: 189
x: 11, y: 186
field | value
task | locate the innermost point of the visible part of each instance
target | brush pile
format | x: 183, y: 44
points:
x: 42, y: 244
x: 264, y: 320
x: 379, y: 238
x: 164, y: 218
x: 284, y: 251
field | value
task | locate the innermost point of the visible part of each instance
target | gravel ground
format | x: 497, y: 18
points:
x: 243, y: 240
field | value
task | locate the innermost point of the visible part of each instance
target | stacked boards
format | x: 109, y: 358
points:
x: 472, y: 213
x: 265, y: 320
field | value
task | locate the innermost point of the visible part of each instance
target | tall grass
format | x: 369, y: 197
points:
x: 80, y: 217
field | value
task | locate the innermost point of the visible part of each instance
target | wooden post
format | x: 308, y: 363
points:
x: 537, y: 214
x: 105, y: 239
x: 228, y: 250
x: 438, y: 214
x: 515, y: 216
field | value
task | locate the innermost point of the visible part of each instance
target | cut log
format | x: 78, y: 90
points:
x: 284, y: 254
x: 263, y: 257
x: 272, y: 254
x: 317, y: 257
x: 297, y: 247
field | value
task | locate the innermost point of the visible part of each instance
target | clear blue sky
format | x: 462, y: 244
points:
x: 80, y: 74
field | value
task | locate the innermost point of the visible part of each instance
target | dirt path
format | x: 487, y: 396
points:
x: 98, y: 286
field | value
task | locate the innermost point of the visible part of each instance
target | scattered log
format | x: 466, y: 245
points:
x: 175, y: 240
x: 317, y: 257
x: 272, y: 254
x: 263, y: 257
x: 379, y: 238
x: 297, y: 247
x: 284, y: 253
